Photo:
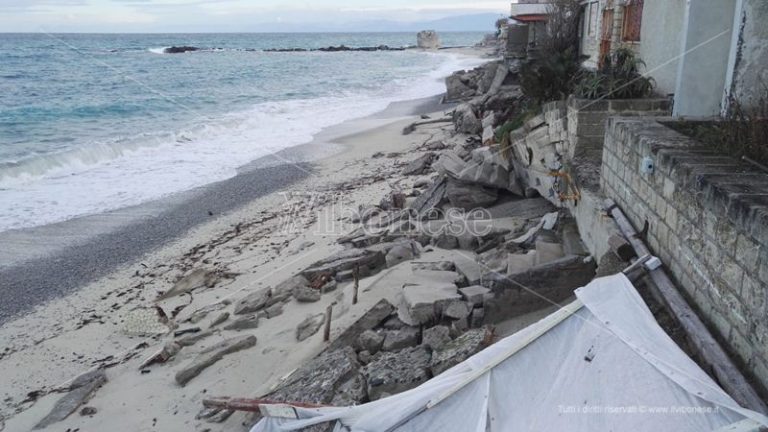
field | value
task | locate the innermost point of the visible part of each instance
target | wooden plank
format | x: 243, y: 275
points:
x: 709, y: 350
x: 250, y: 405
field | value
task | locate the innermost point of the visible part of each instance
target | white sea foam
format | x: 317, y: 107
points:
x: 160, y: 50
x: 126, y: 172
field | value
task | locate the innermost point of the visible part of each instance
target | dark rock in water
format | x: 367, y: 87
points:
x: 340, y: 48
x: 180, y: 49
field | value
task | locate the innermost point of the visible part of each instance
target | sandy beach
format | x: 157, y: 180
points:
x: 264, y: 225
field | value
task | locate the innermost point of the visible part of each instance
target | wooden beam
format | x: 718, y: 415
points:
x: 250, y: 405
x: 709, y: 350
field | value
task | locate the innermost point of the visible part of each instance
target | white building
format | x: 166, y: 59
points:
x: 698, y: 51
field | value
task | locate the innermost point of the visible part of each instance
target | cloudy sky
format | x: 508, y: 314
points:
x: 223, y: 15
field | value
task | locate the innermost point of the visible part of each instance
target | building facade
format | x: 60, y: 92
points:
x: 698, y: 51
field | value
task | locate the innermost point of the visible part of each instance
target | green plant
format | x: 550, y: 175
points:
x: 549, y: 75
x: 618, y: 78
x: 742, y: 132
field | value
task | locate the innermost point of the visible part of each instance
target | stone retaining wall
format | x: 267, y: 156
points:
x: 707, y: 218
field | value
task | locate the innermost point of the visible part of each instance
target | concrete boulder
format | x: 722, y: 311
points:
x: 427, y: 39
x: 465, y: 120
x: 370, y: 341
x: 318, y: 381
x: 399, y: 339
x: 436, y: 337
x: 309, y: 326
x: 460, y: 349
x: 469, y: 196
x: 395, y: 372
x: 211, y: 355
x: 423, y: 303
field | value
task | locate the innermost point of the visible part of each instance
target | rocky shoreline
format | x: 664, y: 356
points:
x: 439, y: 250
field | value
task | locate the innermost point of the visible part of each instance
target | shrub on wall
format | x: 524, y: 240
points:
x: 549, y: 75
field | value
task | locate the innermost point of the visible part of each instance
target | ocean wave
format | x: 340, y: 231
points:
x: 100, y: 176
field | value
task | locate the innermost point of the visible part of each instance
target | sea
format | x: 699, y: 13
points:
x: 96, y: 122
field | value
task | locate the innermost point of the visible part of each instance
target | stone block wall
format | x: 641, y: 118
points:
x: 707, y: 218
x: 586, y: 121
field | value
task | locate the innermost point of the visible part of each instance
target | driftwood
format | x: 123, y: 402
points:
x: 709, y: 350
x: 412, y: 127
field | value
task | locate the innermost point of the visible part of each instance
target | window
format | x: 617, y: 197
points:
x: 593, y: 18
x: 633, y: 18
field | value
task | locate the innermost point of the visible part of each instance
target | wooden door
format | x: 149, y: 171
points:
x: 606, y: 35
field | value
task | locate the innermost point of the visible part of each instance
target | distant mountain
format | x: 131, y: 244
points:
x: 475, y: 22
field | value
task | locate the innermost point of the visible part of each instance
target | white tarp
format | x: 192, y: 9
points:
x: 606, y: 367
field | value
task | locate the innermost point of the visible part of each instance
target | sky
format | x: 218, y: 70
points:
x: 225, y: 15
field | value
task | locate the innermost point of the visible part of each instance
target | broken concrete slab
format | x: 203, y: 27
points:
x: 449, y: 163
x: 547, y: 252
x: 535, y: 288
x: 521, y: 262
x: 309, y: 326
x: 398, y: 339
x: 351, y: 392
x: 346, y: 260
x: 317, y: 381
x: 201, y: 313
x: 196, y: 279
x: 460, y: 349
x: 478, y: 318
x: 253, y: 302
x: 164, y: 354
x: 81, y: 390
x: 273, y: 311
x: 522, y: 208
x: 428, y: 201
x: 211, y: 355
x: 192, y: 339
x: 433, y: 265
x: 469, y: 196
x: 370, y: 341
x: 244, y: 323
x: 470, y: 269
x: 436, y: 337
x: 306, y: 294
x: 475, y: 294
x: 399, y: 253
x: 457, y: 310
x: 219, y: 319
x: 420, y: 165
x: 423, y: 303
x: 395, y: 372
x: 369, y: 320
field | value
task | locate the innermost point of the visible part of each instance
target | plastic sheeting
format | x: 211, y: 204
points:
x: 607, y: 367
